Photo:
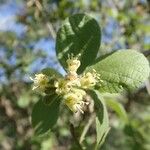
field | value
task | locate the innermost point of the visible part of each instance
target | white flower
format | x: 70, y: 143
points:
x: 73, y: 63
x: 74, y: 100
x: 79, y: 92
x: 62, y: 86
x: 89, y: 79
x: 73, y: 79
x: 40, y: 82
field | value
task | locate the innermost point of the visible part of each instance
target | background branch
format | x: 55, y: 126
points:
x: 86, y: 128
x: 72, y: 130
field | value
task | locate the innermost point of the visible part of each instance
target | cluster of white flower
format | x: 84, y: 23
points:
x: 72, y: 87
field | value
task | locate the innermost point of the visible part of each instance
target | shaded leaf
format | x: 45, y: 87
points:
x: 53, y: 75
x: 51, y: 72
x: 102, y: 122
x: 118, y: 108
x: 80, y: 33
x: 44, y: 117
x: 49, y: 98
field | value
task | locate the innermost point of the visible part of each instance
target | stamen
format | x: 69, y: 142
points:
x: 79, y: 108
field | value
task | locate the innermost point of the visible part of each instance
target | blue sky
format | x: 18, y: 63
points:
x: 8, y: 12
x: 11, y: 8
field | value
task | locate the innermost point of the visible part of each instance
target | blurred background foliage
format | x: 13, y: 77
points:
x: 27, y: 45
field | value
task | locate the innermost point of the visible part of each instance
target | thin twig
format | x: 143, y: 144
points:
x: 41, y: 9
x: 51, y: 29
x: 72, y: 130
x: 86, y: 128
x: 48, y: 24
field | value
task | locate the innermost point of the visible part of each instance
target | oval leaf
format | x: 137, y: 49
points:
x: 44, y: 117
x: 122, y: 70
x: 118, y: 108
x: 102, y: 122
x: 48, y: 99
x: 80, y: 33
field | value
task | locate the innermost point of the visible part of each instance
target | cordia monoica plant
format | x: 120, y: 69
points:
x: 77, y: 46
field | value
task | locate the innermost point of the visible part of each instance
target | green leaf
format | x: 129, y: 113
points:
x: 44, y: 117
x: 79, y: 33
x: 49, y: 98
x: 52, y: 75
x: 118, y: 108
x: 51, y: 72
x: 101, y: 135
x: 102, y: 122
x: 122, y: 70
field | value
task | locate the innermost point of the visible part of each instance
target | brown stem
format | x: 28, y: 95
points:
x: 72, y: 130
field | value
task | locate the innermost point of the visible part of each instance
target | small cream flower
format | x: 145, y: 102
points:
x: 62, y: 86
x: 75, y: 100
x: 79, y: 92
x: 40, y: 81
x: 89, y: 79
x: 73, y: 79
x: 73, y: 63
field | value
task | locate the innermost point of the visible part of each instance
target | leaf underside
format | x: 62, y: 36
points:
x: 122, y: 70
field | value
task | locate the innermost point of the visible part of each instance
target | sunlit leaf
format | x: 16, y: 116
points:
x: 122, y: 70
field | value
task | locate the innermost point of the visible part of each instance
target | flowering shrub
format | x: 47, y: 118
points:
x: 77, y: 46
x: 71, y: 87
